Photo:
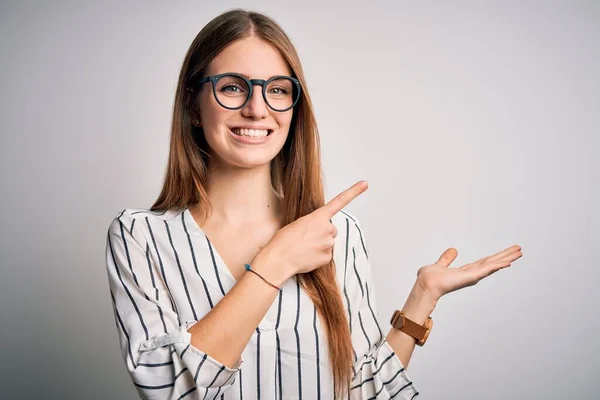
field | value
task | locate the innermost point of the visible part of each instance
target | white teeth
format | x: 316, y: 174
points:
x: 250, y: 132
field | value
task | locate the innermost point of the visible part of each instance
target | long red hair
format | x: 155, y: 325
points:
x: 295, y: 172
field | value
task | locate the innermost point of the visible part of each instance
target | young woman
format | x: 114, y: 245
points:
x: 241, y: 281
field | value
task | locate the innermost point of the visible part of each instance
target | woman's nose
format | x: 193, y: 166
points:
x: 256, y: 106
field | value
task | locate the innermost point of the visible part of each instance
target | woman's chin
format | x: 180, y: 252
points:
x: 240, y: 160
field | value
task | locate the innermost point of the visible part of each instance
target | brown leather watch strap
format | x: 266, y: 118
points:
x: 419, y: 332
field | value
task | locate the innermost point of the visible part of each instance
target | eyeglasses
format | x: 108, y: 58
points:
x: 233, y: 91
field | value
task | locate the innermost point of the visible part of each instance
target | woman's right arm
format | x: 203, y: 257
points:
x: 299, y: 247
x: 226, y: 330
x: 167, y: 358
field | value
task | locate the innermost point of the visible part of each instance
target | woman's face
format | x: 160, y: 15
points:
x: 255, y: 59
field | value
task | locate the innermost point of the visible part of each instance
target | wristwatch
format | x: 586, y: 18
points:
x: 411, y: 328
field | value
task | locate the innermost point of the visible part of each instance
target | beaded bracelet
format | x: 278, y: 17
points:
x: 248, y: 268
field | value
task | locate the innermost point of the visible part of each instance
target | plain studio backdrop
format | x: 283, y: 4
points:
x: 475, y: 123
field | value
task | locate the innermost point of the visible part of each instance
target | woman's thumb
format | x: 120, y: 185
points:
x: 447, y: 257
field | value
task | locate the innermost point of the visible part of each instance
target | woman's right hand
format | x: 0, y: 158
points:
x: 307, y: 243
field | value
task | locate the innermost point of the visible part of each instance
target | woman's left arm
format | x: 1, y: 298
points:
x: 380, y: 363
x: 418, y: 307
x: 437, y: 280
x: 378, y: 371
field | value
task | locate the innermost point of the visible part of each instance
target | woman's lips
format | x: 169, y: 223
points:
x: 250, y: 140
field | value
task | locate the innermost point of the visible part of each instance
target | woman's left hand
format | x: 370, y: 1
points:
x: 438, y: 279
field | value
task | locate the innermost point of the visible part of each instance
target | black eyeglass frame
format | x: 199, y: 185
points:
x: 251, y: 82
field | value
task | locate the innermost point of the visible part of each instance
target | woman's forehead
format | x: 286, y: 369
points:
x: 251, y: 57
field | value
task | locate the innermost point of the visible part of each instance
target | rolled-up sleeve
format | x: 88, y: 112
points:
x: 155, y: 344
x: 378, y: 372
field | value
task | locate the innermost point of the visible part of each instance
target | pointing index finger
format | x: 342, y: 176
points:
x: 343, y: 199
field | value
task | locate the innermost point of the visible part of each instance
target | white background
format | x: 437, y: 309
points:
x: 475, y: 123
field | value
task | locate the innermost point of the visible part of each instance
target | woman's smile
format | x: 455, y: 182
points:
x: 250, y: 136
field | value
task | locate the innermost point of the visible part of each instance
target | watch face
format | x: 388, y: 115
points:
x: 428, y: 325
x: 422, y: 341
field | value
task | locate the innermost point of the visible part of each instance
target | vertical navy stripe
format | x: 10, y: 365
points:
x: 127, y: 254
x: 362, y: 291
x: 137, y: 310
x: 187, y: 292
x: 373, y: 313
x: 276, y: 379
x: 212, y: 255
x: 199, y: 366
x: 217, y: 394
x: 367, y: 278
x: 298, y: 340
x: 362, y: 241
x: 123, y: 329
x: 345, y: 292
x: 345, y: 270
x: 257, y: 363
x: 184, y: 350
x: 318, y: 356
x: 194, y: 259
x: 364, y: 332
x: 160, y: 311
x: 241, y: 385
x: 162, y: 269
x: 150, y: 272
x: 278, y: 361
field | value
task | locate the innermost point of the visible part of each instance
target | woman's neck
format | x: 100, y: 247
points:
x: 241, y: 197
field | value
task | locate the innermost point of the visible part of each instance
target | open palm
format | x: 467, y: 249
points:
x: 438, y: 279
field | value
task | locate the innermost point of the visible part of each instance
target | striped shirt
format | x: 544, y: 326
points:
x: 164, y: 275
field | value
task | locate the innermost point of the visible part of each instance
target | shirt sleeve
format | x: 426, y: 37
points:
x: 155, y: 344
x: 378, y: 372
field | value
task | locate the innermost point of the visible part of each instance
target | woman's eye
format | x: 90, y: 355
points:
x: 231, y: 89
x: 278, y: 90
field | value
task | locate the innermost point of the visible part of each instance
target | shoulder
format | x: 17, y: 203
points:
x: 344, y: 217
x: 129, y: 216
x: 348, y: 224
x: 135, y: 221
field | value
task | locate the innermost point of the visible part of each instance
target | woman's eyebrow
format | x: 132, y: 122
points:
x: 248, y: 76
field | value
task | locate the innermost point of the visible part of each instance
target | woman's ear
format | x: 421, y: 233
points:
x: 191, y: 105
x: 196, y: 121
